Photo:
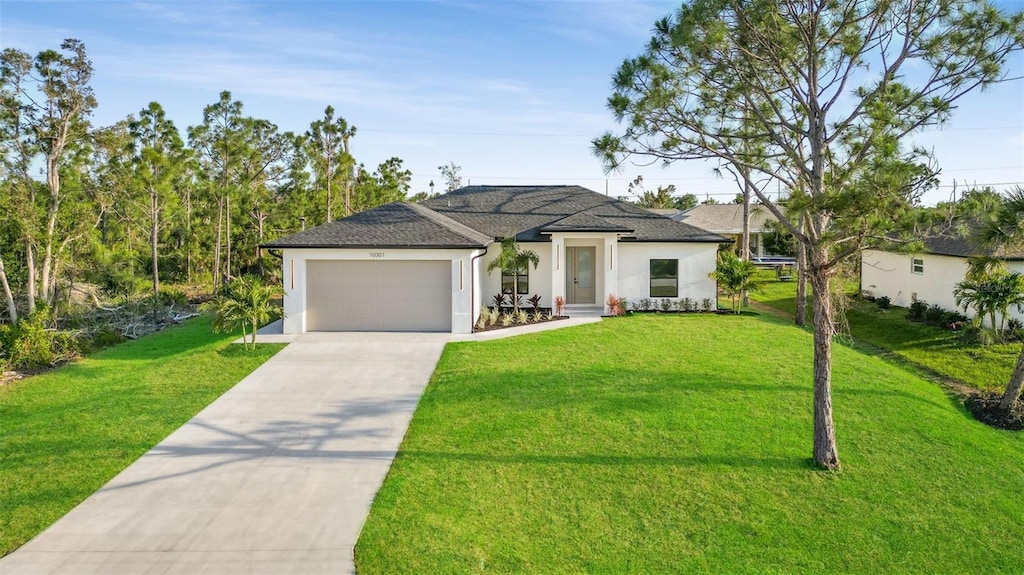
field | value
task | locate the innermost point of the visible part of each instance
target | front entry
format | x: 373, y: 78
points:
x: 579, y: 275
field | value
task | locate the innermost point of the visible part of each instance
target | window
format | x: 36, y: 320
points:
x: 917, y: 265
x: 664, y: 278
x: 524, y: 282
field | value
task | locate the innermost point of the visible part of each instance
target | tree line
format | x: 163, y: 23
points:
x: 144, y: 201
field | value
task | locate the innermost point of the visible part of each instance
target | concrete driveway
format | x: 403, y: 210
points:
x: 276, y: 476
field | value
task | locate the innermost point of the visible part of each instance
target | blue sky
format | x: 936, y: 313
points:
x: 512, y: 92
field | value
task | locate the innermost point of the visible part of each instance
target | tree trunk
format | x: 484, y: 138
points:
x: 188, y: 236
x: 801, y: 282
x: 825, y: 452
x: 1013, y: 389
x: 745, y: 237
x: 12, y: 310
x: 216, y: 247
x: 30, y: 270
x: 53, y: 182
x: 154, y: 224
x: 227, y: 236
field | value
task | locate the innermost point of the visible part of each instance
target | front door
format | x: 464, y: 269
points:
x: 579, y: 274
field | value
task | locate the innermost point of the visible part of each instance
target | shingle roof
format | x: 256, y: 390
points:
x: 525, y: 211
x: 953, y: 239
x: 726, y: 218
x: 584, y: 222
x: 474, y: 216
x: 394, y: 225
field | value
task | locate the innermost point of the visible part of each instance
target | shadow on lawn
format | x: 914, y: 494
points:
x: 735, y: 461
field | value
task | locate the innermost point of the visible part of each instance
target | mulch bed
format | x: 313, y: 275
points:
x: 498, y: 326
x: 985, y: 408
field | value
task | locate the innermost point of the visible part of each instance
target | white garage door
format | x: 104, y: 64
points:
x: 378, y: 296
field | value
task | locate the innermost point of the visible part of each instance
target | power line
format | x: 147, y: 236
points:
x: 559, y: 135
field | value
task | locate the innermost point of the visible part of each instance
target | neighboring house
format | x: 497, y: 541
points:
x: 423, y: 267
x: 929, y: 276
x: 727, y: 220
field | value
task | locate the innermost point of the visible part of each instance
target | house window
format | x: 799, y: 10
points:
x: 524, y: 282
x: 664, y: 278
x: 917, y: 265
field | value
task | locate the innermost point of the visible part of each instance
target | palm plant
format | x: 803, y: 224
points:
x: 247, y: 304
x: 735, y: 277
x: 513, y: 261
x: 1003, y: 230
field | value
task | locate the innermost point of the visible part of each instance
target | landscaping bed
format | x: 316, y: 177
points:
x: 985, y: 408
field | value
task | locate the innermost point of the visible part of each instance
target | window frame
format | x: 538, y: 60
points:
x: 524, y: 280
x: 652, y: 277
x: 916, y: 265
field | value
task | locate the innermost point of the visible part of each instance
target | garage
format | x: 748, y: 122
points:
x: 409, y: 295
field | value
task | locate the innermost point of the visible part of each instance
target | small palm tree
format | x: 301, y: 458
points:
x: 247, y: 305
x: 1005, y: 229
x: 735, y: 277
x: 513, y: 261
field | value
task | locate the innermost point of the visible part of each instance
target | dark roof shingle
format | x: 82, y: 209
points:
x: 475, y: 216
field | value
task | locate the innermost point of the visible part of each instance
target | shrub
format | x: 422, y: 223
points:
x: 494, y: 316
x: 616, y: 306
x: 499, y: 300
x: 666, y: 304
x: 33, y: 343
x: 951, y: 317
x: 522, y: 317
x: 507, y: 320
x: 1014, y: 327
x: 173, y: 297
x: 917, y: 310
x: 644, y: 304
x: 559, y: 305
x: 534, y: 303
x: 485, y: 313
x: 687, y: 304
x: 934, y: 314
x: 708, y: 304
x: 883, y: 302
x: 537, y: 317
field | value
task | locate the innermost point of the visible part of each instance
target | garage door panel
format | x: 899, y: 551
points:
x: 378, y: 296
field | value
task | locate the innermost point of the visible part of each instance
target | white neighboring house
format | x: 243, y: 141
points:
x: 423, y: 267
x: 930, y: 276
x: 727, y: 220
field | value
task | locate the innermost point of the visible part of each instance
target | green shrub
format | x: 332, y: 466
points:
x: 173, y: 297
x: 917, y: 310
x: 883, y: 302
x: 934, y: 314
x: 34, y: 343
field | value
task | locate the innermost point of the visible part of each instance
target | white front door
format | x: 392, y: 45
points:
x: 579, y: 275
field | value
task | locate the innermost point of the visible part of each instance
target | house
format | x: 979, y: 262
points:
x: 727, y: 220
x: 423, y: 267
x: 930, y: 275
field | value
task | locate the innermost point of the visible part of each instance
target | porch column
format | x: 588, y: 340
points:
x: 611, y: 272
x: 557, y: 268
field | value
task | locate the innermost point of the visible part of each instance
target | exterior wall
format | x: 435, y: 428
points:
x: 889, y: 274
x: 540, y: 278
x: 294, y: 266
x: 606, y: 264
x: 696, y: 261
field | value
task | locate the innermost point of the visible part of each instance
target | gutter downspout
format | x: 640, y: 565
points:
x: 472, y: 280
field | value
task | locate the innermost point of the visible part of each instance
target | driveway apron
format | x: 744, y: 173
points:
x: 276, y: 476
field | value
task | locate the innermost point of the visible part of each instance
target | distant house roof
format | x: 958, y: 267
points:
x: 955, y: 239
x: 726, y: 218
x: 474, y: 216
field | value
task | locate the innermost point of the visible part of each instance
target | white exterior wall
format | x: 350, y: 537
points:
x: 294, y: 265
x: 889, y: 274
x: 696, y: 261
x: 540, y: 277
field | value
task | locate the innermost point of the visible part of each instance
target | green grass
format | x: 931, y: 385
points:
x: 65, y: 433
x: 676, y: 444
x: 933, y: 348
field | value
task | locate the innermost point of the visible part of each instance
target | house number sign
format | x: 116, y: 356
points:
x: 376, y: 254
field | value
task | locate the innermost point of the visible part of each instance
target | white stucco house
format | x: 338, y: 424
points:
x: 423, y: 267
x: 930, y: 275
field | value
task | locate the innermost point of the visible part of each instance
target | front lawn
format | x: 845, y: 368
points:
x: 671, y: 444
x: 66, y: 433
x: 933, y: 348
